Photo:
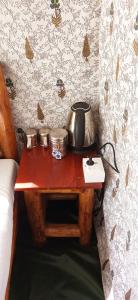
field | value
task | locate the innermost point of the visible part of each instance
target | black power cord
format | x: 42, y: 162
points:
x: 115, y: 168
x: 100, y: 196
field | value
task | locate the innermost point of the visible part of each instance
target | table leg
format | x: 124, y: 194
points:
x: 86, y: 202
x: 35, y: 212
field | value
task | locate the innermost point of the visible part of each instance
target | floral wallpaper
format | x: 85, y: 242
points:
x: 117, y: 226
x: 55, y: 54
x: 50, y: 56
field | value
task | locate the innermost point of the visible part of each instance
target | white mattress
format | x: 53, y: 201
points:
x: 8, y: 171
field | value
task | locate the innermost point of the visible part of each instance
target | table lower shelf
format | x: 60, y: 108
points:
x: 36, y: 211
x: 62, y: 230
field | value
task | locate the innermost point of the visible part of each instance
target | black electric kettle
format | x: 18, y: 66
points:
x: 80, y: 125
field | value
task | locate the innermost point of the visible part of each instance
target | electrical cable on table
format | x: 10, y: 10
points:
x: 115, y: 168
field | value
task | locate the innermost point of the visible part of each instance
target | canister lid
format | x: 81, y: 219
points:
x: 44, y: 131
x: 58, y: 134
x: 31, y: 131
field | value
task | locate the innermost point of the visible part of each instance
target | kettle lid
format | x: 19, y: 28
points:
x: 81, y: 106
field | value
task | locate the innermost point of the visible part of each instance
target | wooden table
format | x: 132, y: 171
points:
x: 40, y: 173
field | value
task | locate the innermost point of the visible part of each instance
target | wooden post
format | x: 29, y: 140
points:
x: 7, y: 134
x: 35, y: 212
x: 86, y: 202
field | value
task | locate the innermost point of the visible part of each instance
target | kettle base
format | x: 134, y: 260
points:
x: 81, y: 150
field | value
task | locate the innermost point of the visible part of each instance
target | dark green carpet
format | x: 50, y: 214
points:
x: 61, y: 270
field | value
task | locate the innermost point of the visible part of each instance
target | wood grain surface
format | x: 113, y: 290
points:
x: 39, y: 170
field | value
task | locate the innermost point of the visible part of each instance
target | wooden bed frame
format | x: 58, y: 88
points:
x: 8, y: 149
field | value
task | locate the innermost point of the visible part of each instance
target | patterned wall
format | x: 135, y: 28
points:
x: 118, y: 229
x: 50, y: 55
x: 51, y: 59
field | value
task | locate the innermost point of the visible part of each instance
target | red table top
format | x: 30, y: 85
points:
x: 39, y: 170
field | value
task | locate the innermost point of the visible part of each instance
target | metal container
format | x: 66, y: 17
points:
x: 58, y: 142
x: 44, y: 136
x: 31, y: 138
x: 80, y: 125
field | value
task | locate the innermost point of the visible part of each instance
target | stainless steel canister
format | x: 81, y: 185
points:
x: 44, y: 136
x: 58, y: 142
x: 31, y: 138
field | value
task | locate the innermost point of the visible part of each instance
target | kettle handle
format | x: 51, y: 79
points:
x: 79, y: 130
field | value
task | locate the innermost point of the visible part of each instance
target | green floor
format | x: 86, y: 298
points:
x: 62, y: 269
